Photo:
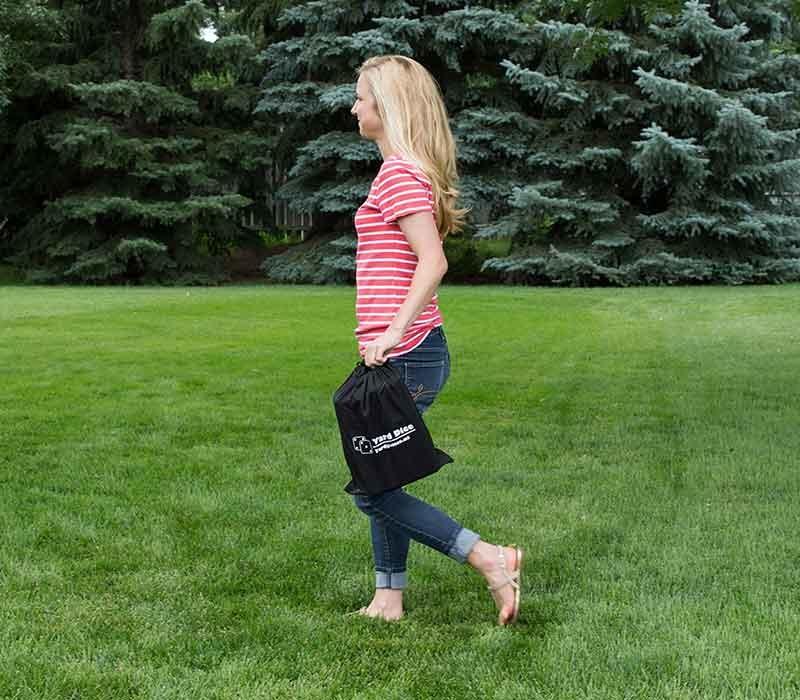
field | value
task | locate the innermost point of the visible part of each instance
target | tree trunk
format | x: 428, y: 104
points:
x: 131, y: 35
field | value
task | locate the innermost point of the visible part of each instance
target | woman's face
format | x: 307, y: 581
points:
x: 366, y: 111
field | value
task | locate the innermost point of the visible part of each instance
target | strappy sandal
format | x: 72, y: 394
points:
x: 353, y: 613
x: 362, y: 612
x: 513, y: 579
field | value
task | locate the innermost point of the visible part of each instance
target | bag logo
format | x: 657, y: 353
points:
x: 369, y: 446
x: 362, y: 445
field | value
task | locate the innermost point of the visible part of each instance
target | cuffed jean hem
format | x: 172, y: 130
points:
x: 397, y: 580
x: 462, y: 545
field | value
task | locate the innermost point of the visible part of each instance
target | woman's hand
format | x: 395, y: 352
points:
x: 376, y: 351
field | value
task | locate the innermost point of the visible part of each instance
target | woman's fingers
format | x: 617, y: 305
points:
x: 374, y: 355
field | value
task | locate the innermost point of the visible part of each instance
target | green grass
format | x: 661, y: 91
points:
x: 173, y: 523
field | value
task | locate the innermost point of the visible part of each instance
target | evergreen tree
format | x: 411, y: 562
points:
x: 309, y: 88
x: 615, y: 142
x: 26, y: 28
x: 662, y: 152
x: 571, y: 148
x: 23, y: 25
x: 127, y: 146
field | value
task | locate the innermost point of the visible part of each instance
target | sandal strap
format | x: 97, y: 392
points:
x: 510, y: 578
x: 510, y: 581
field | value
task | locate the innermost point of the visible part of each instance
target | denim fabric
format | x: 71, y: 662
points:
x: 395, y: 516
x: 425, y: 369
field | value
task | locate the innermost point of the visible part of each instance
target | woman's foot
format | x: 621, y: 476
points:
x: 386, y: 605
x: 500, y: 567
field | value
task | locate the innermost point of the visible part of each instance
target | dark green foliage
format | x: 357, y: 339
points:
x: 615, y: 143
x: 331, y: 260
x: 571, y: 269
x: 130, y: 149
x: 658, y: 154
x: 9, y: 275
x: 611, y: 142
x: 309, y: 88
x: 465, y: 258
x: 140, y: 259
x: 25, y: 25
x: 326, y: 259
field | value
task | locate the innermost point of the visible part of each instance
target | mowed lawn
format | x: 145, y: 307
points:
x: 173, y: 524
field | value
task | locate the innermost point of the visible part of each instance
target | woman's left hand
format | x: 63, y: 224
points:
x: 376, y: 351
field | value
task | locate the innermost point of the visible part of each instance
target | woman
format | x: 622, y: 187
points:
x: 399, y: 264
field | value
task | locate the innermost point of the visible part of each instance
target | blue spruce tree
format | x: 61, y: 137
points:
x: 663, y: 151
x: 309, y: 88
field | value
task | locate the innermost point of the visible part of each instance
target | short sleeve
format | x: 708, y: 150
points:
x: 402, y: 190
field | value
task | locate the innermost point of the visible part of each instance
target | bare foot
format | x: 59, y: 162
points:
x: 485, y: 559
x: 386, y: 605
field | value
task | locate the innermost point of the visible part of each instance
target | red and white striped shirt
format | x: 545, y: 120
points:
x: 385, y: 262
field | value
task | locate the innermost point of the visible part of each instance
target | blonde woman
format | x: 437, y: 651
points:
x: 399, y: 265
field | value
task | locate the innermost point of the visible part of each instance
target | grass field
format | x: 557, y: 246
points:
x: 173, y: 524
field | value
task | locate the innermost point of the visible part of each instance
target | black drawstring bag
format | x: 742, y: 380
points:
x: 385, y: 441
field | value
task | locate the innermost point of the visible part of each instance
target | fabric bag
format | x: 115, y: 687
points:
x: 385, y: 441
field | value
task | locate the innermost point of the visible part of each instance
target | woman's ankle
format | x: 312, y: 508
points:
x: 482, y: 556
x: 389, y: 596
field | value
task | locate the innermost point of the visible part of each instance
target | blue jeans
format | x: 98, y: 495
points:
x: 395, y: 517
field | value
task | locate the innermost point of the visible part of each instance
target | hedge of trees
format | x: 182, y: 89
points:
x: 607, y: 142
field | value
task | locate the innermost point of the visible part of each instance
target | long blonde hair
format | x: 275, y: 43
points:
x: 415, y: 122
